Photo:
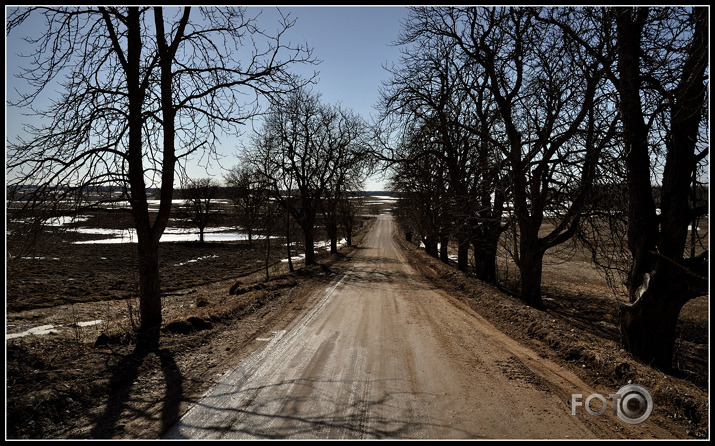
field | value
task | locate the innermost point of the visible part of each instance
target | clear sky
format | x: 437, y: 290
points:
x: 354, y: 43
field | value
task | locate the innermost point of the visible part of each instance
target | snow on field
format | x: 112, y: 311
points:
x: 41, y: 330
x: 38, y: 258
x: 65, y: 220
x: 154, y: 204
x: 47, y: 329
x: 89, y: 323
x: 318, y: 245
x: 217, y: 234
x: 195, y: 260
x: 112, y: 236
x: 380, y: 199
x: 294, y: 258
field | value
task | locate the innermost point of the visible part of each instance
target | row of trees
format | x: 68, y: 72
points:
x: 141, y: 90
x: 526, y: 120
x: 145, y: 88
x: 529, y: 120
x: 310, y: 158
x: 257, y: 206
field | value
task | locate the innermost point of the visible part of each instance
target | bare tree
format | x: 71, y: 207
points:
x: 139, y: 96
x: 198, y: 195
x: 424, y: 92
x: 661, y: 278
x: 420, y: 184
x: 553, y: 123
x: 248, y: 195
x: 302, y: 147
x: 288, y: 157
x: 660, y: 75
x: 348, y: 207
x: 436, y: 88
x: 514, y: 106
x: 351, y: 150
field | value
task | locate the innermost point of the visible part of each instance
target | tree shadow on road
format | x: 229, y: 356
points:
x: 302, y: 408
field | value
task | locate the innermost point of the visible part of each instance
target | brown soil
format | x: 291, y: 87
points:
x: 63, y: 386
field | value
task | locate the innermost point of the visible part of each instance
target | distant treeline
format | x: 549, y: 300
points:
x: 224, y: 192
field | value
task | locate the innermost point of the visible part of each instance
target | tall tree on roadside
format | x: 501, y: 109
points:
x: 660, y: 74
x: 139, y: 96
x: 349, y: 145
x: 662, y: 280
x: 437, y: 87
x: 525, y: 92
x: 420, y: 185
x: 548, y: 95
x: 348, y: 207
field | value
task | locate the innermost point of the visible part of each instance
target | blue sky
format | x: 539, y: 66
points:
x: 354, y: 43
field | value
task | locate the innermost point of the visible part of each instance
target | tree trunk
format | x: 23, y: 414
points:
x: 485, y: 258
x: 147, y: 242
x: 444, y: 249
x: 643, y: 224
x: 530, y: 266
x: 150, y: 292
x: 648, y: 325
x: 431, y: 246
x: 349, y: 235
x: 462, y: 252
x: 306, y: 221
x: 348, y: 225
x: 309, y: 239
x: 332, y: 228
x: 659, y: 285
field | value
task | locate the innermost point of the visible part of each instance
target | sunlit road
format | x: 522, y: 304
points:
x: 385, y: 355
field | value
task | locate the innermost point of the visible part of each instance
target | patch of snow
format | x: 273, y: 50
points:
x: 39, y: 258
x: 41, y: 330
x: 89, y: 323
x: 195, y: 260
x: 294, y: 258
x: 65, y: 220
x: 217, y: 234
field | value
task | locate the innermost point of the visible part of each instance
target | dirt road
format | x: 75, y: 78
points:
x: 385, y: 355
